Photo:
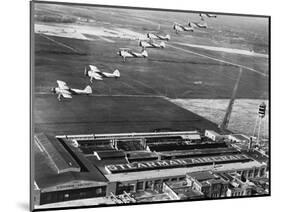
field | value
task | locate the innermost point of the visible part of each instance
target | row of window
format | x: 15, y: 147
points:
x: 146, y: 185
x: 252, y: 172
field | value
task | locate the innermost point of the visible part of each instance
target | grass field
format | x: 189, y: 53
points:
x: 169, y: 72
x: 65, y: 44
x: 106, y: 114
x: 242, y: 119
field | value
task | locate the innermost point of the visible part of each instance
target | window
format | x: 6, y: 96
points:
x: 166, y: 180
x: 262, y: 172
x: 256, y: 172
x: 156, y: 182
x: 250, y: 173
x: 148, y: 185
x: 98, y: 191
x: 181, y: 178
x: 139, y: 185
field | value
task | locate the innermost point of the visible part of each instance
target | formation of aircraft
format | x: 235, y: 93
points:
x: 151, y: 44
x: 180, y: 28
x: 127, y: 52
x: 191, y: 25
x: 94, y: 73
x: 62, y: 90
x: 158, y: 36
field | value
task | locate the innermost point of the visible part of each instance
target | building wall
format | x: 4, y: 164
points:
x: 140, y: 185
x: 73, y: 194
x: 239, y: 192
x: 211, y: 190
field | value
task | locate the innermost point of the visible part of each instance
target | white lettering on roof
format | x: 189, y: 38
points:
x: 173, y: 163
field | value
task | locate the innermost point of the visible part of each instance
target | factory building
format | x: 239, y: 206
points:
x: 210, y: 184
x: 236, y: 186
x: 72, y: 167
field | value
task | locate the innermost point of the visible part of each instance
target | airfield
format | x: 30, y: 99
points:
x: 194, y: 65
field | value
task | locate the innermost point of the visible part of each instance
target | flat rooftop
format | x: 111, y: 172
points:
x: 240, y: 137
x: 184, y: 191
x: 196, y: 152
x: 201, y: 176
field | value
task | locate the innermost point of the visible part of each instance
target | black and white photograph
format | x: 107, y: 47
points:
x: 142, y: 105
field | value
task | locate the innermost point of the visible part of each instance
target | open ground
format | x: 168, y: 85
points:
x: 189, y: 68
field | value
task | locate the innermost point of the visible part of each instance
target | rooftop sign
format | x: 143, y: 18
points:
x: 140, y: 166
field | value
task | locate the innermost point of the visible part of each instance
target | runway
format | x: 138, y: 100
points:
x: 218, y: 60
x: 59, y: 43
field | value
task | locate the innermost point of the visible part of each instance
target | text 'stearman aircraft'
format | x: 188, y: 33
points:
x: 94, y: 73
x: 64, y: 91
x: 126, y: 52
x: 157, y: 36
x: 151, y: 44
x: 180, y: 28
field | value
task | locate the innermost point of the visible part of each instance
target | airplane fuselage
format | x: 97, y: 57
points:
x: 160, y: 37
x: 95, y: 73
x: 146, y: 44
x: 201, y: 25
x: 202, y: 15
x: 180, y: 28
x: 131, y: 54
x: 69, y: 91
x: 101, y: 75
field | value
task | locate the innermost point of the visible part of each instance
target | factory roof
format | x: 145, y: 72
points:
x: 183, y: 190
x: 213, y: 132
x: 167, y: 173
x: 207, y: 151
x: 240, y: 137
x: 110, y: 154
x: 202, y: 176
x: 183, y: 146
x: 46, y: 175
x: 129, y: 135
x: 61, y: 159
x: 141, y: 154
